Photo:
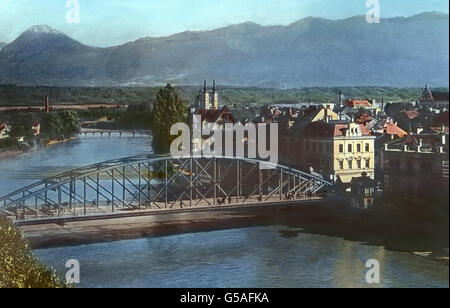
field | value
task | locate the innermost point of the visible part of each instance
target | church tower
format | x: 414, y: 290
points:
x: 426, y: 95
x: 215, y: 97
x: 205, y: 99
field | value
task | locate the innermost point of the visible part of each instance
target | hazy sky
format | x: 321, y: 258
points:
x: 113, y: 22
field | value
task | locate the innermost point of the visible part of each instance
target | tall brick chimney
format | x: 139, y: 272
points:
x: 47, y: 104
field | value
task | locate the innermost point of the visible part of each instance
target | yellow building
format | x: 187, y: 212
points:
x: 338, y: 149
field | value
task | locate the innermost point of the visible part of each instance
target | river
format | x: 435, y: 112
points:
x: 244, y: 257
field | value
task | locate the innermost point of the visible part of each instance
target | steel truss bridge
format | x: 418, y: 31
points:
x: 151, y: 183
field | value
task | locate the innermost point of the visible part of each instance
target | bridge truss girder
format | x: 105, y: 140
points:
x: 152, y: 182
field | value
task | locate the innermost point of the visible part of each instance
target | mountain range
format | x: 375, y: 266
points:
x: 399, y: 52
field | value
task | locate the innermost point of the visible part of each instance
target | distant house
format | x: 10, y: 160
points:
x: 219, y: 117
x: 409, y: 120
x: 358, y: 103
x: 216, y: 116
x: 417, y: 163
x: 441, y: 98
x: 363, y: 190
x: 36, y: 128
x: 441, y: 119
x: 388, y: 127
x: 3, y: 131
x: 289, y: 139
x: 434, y: 98
x: 386, y: 130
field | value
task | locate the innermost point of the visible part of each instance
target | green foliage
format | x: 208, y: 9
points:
x: 19, y: 268
x: 8, y: 143
x: 168, y: 109
x: 60, y: 125
x: 136, y: 117
x: 231, y: 96
x: 21, y: 126
x: 95, y: 114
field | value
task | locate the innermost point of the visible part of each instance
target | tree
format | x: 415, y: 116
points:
x: 168, y: 109
x: 70, y: 122
x: 137, y: 117
x: 21, y: 126
x: 19, y: 268
x: 60, y: 125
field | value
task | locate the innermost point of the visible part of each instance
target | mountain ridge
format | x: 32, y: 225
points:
x: 400, y: 51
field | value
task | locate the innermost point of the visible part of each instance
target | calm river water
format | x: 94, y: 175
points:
x: 246, y: 257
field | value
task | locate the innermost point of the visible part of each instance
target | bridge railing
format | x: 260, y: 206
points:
x: 152, y: 182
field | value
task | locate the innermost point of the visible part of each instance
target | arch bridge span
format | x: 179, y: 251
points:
x: 155, y: 182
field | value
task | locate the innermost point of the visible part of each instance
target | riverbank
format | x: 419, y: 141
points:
x: 330, y: 220
x: 51, y: 142
x: 10, y: 153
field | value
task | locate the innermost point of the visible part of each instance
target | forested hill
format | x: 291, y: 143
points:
x: 230, y: 96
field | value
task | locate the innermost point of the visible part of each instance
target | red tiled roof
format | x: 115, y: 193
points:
x: 411, y: 114
x: 2, y: 126
x: 441, y: 119
x: 357, y: 103
x: 365, y: 130
x: 364, y: 118
x: 440, y: 96
x: 327, y: 130
x: 212, y: 115
x: 438, y: 130
x: 392, y: 129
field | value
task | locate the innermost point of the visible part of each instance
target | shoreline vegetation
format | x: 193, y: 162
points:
x: 28, y: 130
x: 19, y: 268
x: 233, y: 97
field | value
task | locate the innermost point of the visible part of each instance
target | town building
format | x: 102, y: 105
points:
x: 219, y: 117
x: 434, y: 98
x: 3, y: 131
x: 338, y: 149
x: 417, y: 163
x: 363, y: 191
x: 36, y: 128
x: 289, y: 137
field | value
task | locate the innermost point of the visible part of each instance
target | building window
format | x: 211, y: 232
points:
x: 358, y: 148
x: 350, y: 148
x: 367, y: 147
x: 350, y: 164
x: 368, y: 163
x: 358, y: 163
x: 341, y: 148
x: 341, y: 165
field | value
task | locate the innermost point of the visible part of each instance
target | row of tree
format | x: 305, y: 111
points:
x: 168, y: 108
x: 56, y: 125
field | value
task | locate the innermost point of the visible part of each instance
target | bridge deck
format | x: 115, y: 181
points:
x: 105, y: 212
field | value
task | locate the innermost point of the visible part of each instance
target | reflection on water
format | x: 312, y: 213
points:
x: 252, y: 257
x: 249, y: 257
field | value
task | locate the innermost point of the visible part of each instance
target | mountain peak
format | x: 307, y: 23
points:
x: 42, y: 29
